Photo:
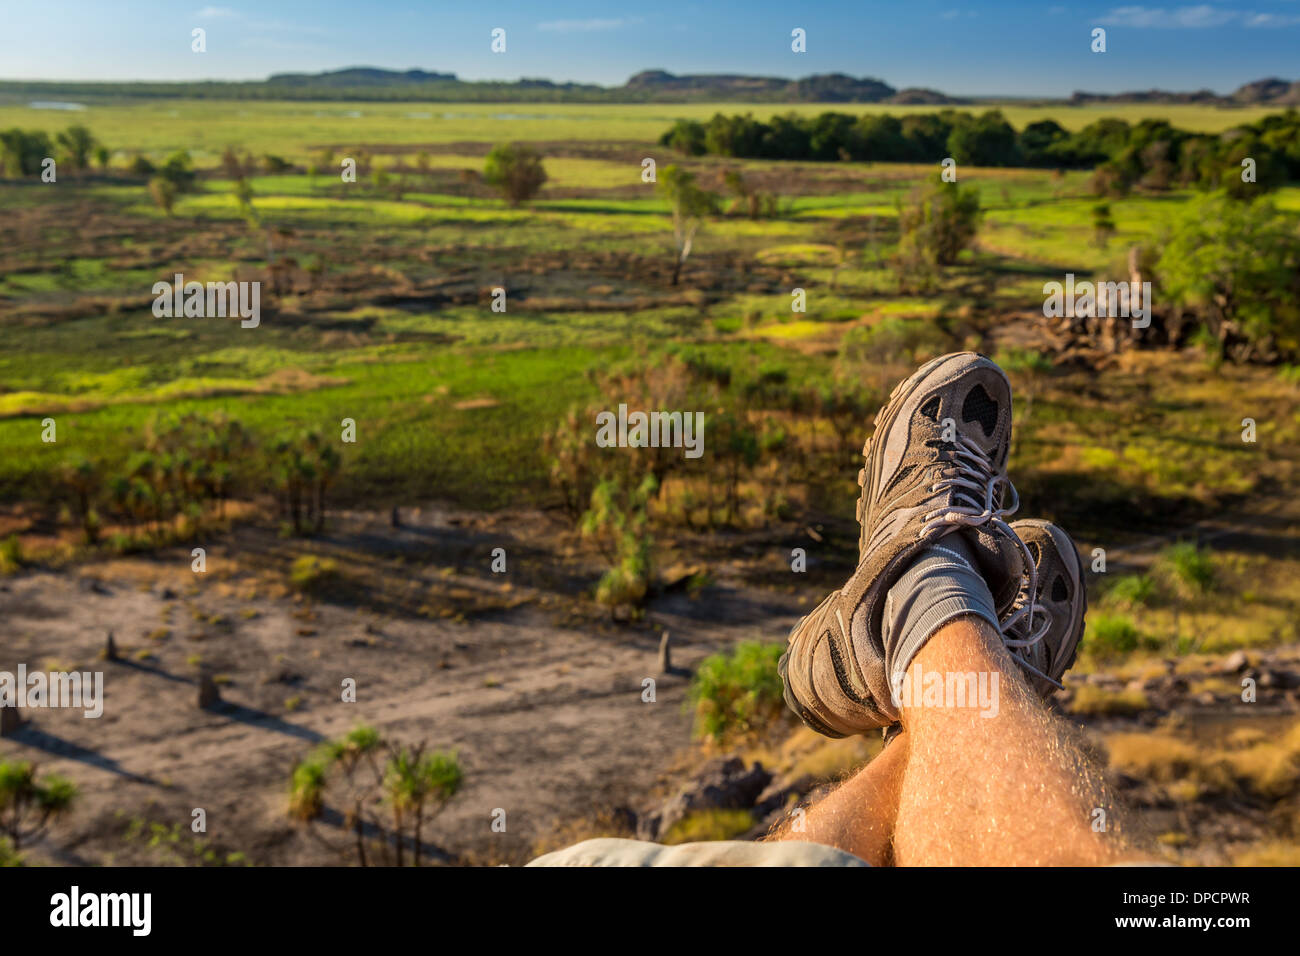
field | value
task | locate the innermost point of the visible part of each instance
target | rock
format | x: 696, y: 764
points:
x: 167, y: 594
x: 776, y: 795
x: 1236, y: 661
x: 721, y: 784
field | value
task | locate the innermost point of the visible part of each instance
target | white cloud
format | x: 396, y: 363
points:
x: 1190, y: 18
x: 1270, y: 20
x: 214, y: 13
x: 588, y: 26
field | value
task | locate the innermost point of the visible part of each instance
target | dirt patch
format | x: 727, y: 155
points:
x: 541, y: 696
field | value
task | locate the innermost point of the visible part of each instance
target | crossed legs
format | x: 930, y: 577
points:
x: 963, y: 786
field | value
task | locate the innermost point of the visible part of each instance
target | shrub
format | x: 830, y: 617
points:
x: 685, y: 136
x: 275, y: 164
x: 737, y: 693
x: 11, y: 554
x: 1236, y: 266
x: 387, y: 792
x: 314, y: 575
x: 178, y: 169
x: 516, y: 170
x: 619, y: 522
x: 31, y: 805
x: 940, y: 221
x: 713, y: 824
x: 1190, y: 567
x: 163, y: 192
x: 1110, y: 634
x: 1133, y: 589
x: 77, y: 146
x: 892, y: 340
x: 22, y: 152
x: 8, y: 856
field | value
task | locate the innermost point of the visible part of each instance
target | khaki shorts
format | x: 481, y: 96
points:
x: 614, y: 852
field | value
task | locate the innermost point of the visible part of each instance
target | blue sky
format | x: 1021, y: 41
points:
x: 1015, y: 47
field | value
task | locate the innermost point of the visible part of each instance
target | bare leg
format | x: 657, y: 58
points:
x: 1004, y: 790
x: 857, y: 816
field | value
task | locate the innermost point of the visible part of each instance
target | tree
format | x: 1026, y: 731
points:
x: 988, y: 140
x: 689, y: 204
x: 1037, y: 142
x: 28, y: 806
x: 387, y: 790
x: 21, y: 152
x: 83, y: 481
x: 619, y: 522
x: 1103, y: 224
x: 685, y: 136
x: 940, y: 221
x: 163, y: 192
x: 78, y: 145
x: 178, y: 169
x: 1236, y: 266
x: 516, y: 170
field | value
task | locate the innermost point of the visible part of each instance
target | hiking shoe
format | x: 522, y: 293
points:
x: 1044, y: 637
x: 1047, y: 647
x: 936, y: 465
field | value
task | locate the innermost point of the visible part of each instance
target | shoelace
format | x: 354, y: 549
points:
x: 1018, y: 623
x: 972, y: 477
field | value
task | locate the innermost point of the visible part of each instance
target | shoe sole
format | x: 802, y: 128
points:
x: 1070, y: 558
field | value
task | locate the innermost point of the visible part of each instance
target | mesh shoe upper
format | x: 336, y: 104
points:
x: 936, y: 465
x: 1048, y: 644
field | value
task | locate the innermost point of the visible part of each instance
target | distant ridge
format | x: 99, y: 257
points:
x: 649, y: 86
x: 1270, y: 92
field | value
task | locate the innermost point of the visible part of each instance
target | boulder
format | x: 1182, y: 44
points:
x: 724, y: 783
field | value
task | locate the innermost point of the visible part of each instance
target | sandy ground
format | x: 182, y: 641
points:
x: 544, y: 706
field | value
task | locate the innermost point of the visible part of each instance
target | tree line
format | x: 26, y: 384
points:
x: 1151, y: 153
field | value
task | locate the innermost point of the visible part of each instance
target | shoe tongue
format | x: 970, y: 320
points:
x: 999, y: 561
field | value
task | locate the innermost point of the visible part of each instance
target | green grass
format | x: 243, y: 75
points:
x: 297, y: 130
x: 738, y: 692
x: 709, y: 825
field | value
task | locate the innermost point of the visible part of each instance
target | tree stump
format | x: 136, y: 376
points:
x: 110, y: 648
